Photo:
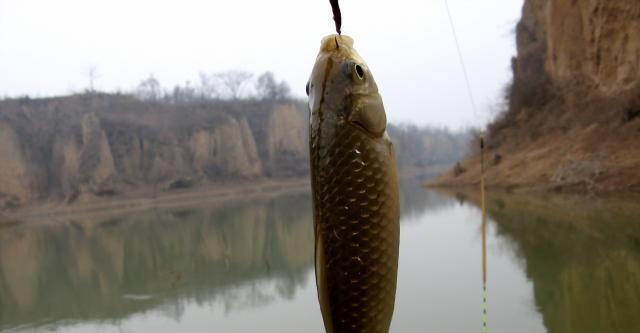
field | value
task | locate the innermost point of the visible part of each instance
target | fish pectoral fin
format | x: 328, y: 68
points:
x: 321, y: 283
x: 368, y: 113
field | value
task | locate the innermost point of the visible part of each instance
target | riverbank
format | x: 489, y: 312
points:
x: 580, y: 160
x: 146, y: 198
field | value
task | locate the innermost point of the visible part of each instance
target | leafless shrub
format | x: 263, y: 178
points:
x: 208, y: 86
x: 497, y: 158
x: 233, y: 82
x: 268, y: 88
x: 149, y: 89
x: 458, y: 170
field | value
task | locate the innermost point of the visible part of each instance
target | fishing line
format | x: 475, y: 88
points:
x: 464, y: 68
x: 482, y: 194
x: 484, y: 239
x: 337, y: 16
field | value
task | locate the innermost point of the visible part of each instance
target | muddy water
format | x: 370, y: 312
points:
x: 555, y: 264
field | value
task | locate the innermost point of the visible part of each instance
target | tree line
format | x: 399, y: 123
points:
x: 227, y: 85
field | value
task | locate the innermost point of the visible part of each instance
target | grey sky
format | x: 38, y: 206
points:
x: 47, y: 47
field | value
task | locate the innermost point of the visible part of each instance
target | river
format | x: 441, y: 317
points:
x: 555, y: 263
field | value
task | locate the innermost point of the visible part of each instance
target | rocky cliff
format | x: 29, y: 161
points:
x: 83, y: 146
x: 573, y: 117
x: 80, y: 147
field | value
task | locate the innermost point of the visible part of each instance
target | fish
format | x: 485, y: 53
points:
x: 355, y: 192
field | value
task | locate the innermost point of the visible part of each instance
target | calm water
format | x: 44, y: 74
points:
x: 555, y: 264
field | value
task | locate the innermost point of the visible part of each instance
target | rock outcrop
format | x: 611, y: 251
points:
x: 594, y: 40
x: 14, y: 170
x: 283, y: 124
x: 228, y: 148
x: 573, y: 118
x: 79, y: 147
x: 96, y: 169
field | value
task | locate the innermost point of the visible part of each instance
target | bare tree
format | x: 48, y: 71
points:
x: 149, y: 89
x: 268, y: 88
x: 184, y: 94
x: 93, y: 75
x: 188, y: 92
x: 208, y: 86
x: 233, y: 82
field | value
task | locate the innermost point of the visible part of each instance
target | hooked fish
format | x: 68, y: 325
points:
x: 355, y: 192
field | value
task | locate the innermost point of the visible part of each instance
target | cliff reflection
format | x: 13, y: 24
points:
x: 238, y: 254
x: 582, y: 255
x: 107, y: 270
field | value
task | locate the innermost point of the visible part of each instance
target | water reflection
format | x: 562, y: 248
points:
x: 105, y: 270
x: 97, y: 271
x: 582, y: 255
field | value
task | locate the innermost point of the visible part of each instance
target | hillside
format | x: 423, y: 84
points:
x: 572, y: 121
x: 81, y: 147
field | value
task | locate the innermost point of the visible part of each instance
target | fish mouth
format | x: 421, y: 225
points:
x: 335, y: 42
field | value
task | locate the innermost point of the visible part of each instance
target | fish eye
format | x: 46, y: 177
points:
x: 308, y: 88
x: 359, y: 71
x: 353, y: 70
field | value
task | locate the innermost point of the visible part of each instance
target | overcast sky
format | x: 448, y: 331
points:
x: 47, y: 47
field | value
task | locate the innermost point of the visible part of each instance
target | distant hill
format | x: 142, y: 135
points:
x: 572, y: 117
x: 100, y: 145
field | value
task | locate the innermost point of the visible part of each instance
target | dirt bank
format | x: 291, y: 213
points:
x: 145, y: 198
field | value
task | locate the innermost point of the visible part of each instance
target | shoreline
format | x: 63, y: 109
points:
x: 53, y: 211
x: 523, y: 189
x: 144, y: 197
x: 530, y: 189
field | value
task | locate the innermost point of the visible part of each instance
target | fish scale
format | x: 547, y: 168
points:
x: 356, y: 202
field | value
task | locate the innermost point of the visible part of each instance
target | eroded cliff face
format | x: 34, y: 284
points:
x: 229, y: 147
x: 594, y: 39
x: 573, y: 118
x: 14, y: 173
x: 283, y: 124
x: 587, y: 42
x: 96, y: 169
x: 79, y: 147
